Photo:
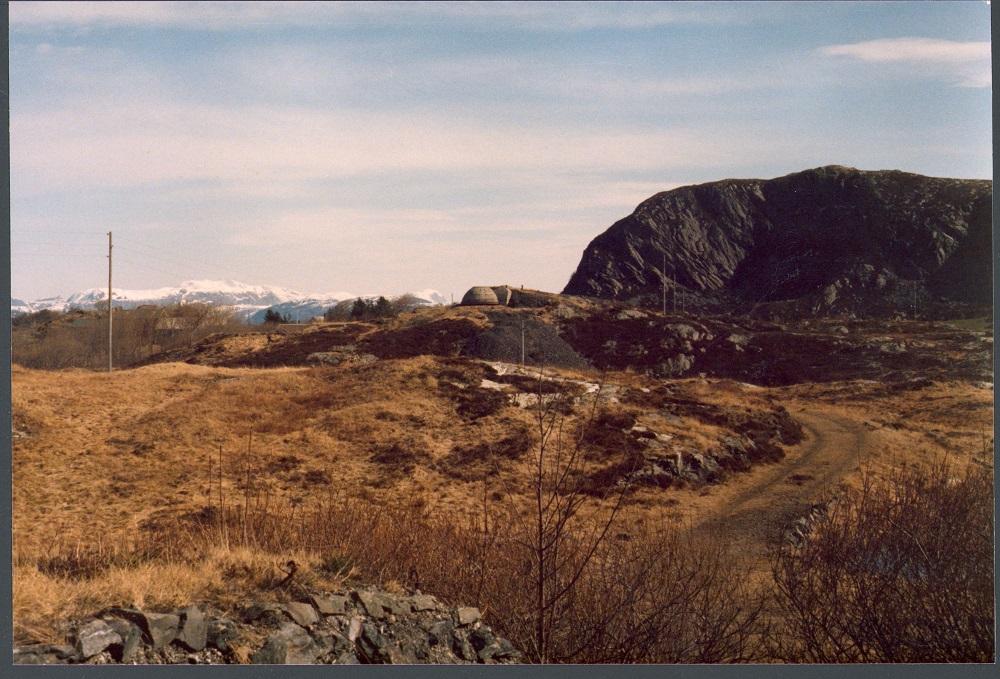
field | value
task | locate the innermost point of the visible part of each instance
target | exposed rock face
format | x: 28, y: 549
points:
x: 830, y: 239
x: 359, y: 626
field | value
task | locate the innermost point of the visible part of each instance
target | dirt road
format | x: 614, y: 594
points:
x: 752, y: 513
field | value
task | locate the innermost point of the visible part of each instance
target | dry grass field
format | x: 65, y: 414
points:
x: 102, y: 462
x: 405, y: 452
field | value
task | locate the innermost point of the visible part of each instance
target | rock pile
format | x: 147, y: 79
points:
x: 361, y: 626
x: 347, y: 353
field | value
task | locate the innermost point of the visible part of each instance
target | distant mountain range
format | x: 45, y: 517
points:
x: 251, y: 301
x: 827, y: 241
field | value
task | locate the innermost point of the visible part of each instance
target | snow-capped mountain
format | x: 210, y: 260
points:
x: 430, y: 295
x: 252, y: 301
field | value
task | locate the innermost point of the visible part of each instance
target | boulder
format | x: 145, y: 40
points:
x: 354, y: 629
x: 290, y: 645
x: 130, y: 635
x: 94, y: 636
x: 193, y: 631
x: 44, y: 654
x: 330, y: 605
x: 158, y: 629
x: 221, y: 633
x: 461, y: 646
x: 423, y: 602
x: 467, y: 616
x: 269, y: 613
x: 302, y: 613
x: 373, y: 648
x: 439, y: 633
x: 485, y: 643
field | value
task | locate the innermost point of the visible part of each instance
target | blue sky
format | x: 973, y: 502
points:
x: 380, y: 148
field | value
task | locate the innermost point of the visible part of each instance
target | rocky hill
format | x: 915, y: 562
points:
x: 827, y: 241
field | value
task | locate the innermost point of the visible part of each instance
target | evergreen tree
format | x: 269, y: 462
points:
x: 360, y: 309
x: 272, y: 316
x: 382, y: 309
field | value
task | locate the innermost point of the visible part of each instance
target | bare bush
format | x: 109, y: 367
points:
x: 79, y: 339
x: 899, y: 571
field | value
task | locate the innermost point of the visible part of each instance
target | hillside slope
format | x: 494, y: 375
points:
x: 826, y: 240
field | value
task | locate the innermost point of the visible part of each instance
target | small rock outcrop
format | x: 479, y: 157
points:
x: 360, y: 626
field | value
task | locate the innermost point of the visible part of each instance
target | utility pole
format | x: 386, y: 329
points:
x: 522, y: 341
x: 110, y: 306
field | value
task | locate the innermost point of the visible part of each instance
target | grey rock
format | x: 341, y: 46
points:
x: 371, y: 603
x: 270, y: 613
x: 95, y: 636
x: 467, y: 615
x: 44, y: 654
x: 439, y: 633
x: 395, y: 606
x: 159, y: 629
x: 290, y: 645
x: 506, y: 650
x: 373, y: 648
x: 193, y: 631
x: 461, y: 647
x: 221, y: 633
x: 408, y: 652
x: 302, y: 613
x: 131, y: 636
x: 423, y: 602
x: 347, y: 658
x: 354, y: 629
x: 330, y: 605
x: 333, y: 644
x: 485, y: 643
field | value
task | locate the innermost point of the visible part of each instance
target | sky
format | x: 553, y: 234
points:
x: 380, y: 147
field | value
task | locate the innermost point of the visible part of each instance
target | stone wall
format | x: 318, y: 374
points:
x: 364, y: 626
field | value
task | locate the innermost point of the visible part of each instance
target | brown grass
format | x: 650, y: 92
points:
x: 112, y: 473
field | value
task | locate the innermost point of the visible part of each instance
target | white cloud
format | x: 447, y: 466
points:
x: 965, y: 63
x: 912, y: 49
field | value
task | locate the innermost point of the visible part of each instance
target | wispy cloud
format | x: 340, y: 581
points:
x: 200, y: 16
x: 966, y: 63
x: 158, y: 141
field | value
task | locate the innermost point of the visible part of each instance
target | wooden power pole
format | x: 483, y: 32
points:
x: 522, y: 341
x: 110, y: 307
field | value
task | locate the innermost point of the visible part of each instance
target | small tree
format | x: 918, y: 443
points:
x: 382, y: 308
x: 360, y: 309
x: 273, y: 317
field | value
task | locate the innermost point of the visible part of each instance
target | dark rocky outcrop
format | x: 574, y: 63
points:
x: 351, y: 627
x: 831, y: 240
